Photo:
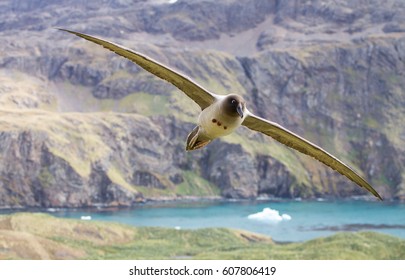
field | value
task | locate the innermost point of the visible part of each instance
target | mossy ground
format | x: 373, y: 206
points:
x: 40, y: 236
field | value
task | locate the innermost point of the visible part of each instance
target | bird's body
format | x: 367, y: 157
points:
x: 221, y: 115
x: 214, y: 122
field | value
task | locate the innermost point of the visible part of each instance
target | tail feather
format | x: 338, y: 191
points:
x: 195, y: 140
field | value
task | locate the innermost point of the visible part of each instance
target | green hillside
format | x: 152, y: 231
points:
x: 40, y: 236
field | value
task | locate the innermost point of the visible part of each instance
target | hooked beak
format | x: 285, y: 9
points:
x: 239, y: 109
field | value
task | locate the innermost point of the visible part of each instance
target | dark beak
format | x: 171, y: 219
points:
x: 239, y: 109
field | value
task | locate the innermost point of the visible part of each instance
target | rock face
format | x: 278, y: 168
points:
x: 82, y: 127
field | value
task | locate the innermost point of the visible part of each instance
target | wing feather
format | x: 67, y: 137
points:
x: 201, y: 96
x: 304, y: 146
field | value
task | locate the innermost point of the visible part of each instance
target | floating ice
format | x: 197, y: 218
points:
x: 87, y: 218
x: 269, y: 215
x: 177, y: 228
x: 172, y: 1
x: 286, y: 217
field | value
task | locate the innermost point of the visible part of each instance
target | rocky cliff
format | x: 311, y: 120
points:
x: 80, y: 126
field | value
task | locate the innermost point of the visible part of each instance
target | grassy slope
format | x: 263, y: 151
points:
x: 40, y: 236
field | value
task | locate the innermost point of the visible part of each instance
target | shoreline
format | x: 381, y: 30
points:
x: 171, y: 207
x: 73, y: 239
x: 186, y: 200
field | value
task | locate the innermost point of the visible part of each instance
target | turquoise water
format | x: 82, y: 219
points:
x: 309, y: 219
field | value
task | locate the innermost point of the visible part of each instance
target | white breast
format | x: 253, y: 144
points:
x: 215, y: 124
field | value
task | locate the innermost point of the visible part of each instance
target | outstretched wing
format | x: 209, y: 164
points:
x: 201, y: 96
x: 302, y: 145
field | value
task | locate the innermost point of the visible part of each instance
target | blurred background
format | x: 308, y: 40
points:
x: 83, y: 127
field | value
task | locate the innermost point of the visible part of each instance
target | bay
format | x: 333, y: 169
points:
x: 295, y: 221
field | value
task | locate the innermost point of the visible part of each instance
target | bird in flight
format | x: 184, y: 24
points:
x: 222, y: 114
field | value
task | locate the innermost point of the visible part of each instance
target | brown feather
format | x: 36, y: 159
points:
x: 201, y: 96
x: 302, y: 145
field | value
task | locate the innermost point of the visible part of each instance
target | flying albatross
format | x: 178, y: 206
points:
x: 222, y: 114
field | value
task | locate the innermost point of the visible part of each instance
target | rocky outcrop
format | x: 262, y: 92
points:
x: 179, y: 19
x: 349, y: 89
x: 80, y: 126
x: 34, y: 176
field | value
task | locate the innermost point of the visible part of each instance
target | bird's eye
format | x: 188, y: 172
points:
x: 233, y: 101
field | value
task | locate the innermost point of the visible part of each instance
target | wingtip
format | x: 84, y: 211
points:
x: 376, y: 194
x: 62, y: 29
x: 371, y: 190
x: 65, y: 30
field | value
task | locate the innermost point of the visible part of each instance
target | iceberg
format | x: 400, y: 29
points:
x: 86, y: 218
x: 269, y: 215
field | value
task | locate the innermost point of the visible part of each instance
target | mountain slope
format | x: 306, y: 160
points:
x: 83, y: 127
